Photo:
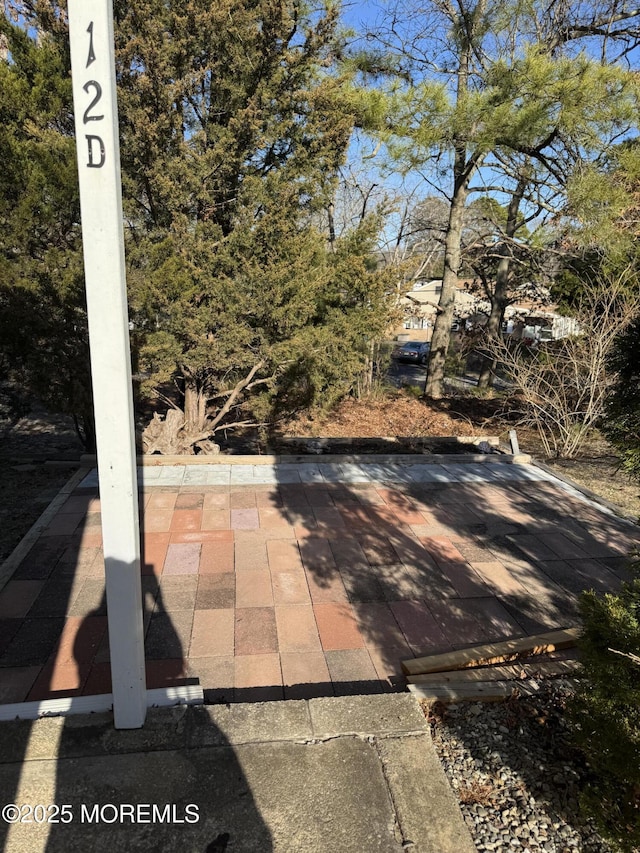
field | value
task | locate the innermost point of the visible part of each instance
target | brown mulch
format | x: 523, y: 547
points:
x: 399, y: 414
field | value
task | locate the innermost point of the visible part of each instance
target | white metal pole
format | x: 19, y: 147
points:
x: 98, y: 150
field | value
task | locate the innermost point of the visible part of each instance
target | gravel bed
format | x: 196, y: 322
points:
x: 516, y: 774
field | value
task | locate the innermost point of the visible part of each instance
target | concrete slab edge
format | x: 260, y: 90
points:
x: 418, y: 787
x: 29, y: 539
x: 297, y: 720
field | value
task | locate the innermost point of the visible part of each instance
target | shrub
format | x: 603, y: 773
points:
x: 605, y: 712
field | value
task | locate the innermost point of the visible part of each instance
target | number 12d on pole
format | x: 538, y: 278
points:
x: 95, y: 144
x: 96, y: 123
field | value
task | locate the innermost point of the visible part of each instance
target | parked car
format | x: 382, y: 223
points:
x: 412, y: 351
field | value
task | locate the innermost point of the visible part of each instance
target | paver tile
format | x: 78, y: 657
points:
x: 284, y: 555
x: 347, y: 552
x: 362, y: 584
x: 217, y: 557
x: 377, y: 549
x: 420, y: 628
x: 562, y: 546
x: 305, y: 675
x: 157, y: 520
x: 290, y: 587
x: 165, y: 673
x: 182, y: 559
x: 337, y: 626
x: 255, y: 631
x: 216, y: 591
x: 200, y: 537
x: 169, y: 634
x: 387, y: 662
x: 352, y: 671
x: 216, y: 500
x: 494, y: 617
x: 90, y: 599
x: 467, y: 582
x: 378, y: 626
x: 458, y: 621
x: 244, y: 519
x: 263, y: 588
x: 33, y: 642
x: 317, y: 557
x: 153, y: 553
x: 212, y: 634
x: 216, y: 519
x: 16, y: 683
x: 55, y: 680
x: 161, y: 500
x: 189, y: 500
x: 329, y: 518
x: 297, y: 629
x: 56, y: 596
x: 17, y: 597
x: 186, y: 520
x: 242, y: 498
x: 258, y: 678
x: 99, y: 680
x: 80, y: 639
x: 216, y: 676
x: 176, y: 593
x: 272, y: 516
x: 251, y: 555
x: 326, y: 587
x: 498, y: 578
x: 64, y: 524
x: 532, y: 547
x: 579, y: 575
x: 253, y: 589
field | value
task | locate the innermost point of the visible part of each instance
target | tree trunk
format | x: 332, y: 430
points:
x: 434, y: 385
x: 463, y: 169
x: 500, y: 296
x: 195, y: 406
x: 494, y: 323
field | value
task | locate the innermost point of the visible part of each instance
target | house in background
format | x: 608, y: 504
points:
x: 528, y: 318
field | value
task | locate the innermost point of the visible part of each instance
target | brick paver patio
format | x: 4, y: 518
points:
x: 311, y: 579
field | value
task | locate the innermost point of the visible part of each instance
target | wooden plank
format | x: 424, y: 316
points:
x: 484, y: 691
x: 498, y: 673
x: 501, y: 652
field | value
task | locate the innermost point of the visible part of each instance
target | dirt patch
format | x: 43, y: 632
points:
x: 398, y: 414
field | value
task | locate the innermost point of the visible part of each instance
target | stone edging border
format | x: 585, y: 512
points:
x: 592, y: 496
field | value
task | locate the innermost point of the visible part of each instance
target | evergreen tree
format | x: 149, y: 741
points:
x: 234, y: 124
x: 43, y: 330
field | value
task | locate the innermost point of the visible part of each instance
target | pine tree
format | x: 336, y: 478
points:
x: 234, y: 124
x: 43, y: 332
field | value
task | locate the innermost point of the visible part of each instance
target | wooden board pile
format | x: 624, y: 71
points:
x: 492, y: 671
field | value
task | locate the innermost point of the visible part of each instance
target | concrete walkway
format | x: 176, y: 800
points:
x: 355, y: 775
